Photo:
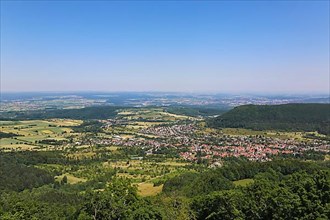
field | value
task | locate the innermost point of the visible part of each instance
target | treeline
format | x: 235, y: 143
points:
x: 119, y: 200
x: 19, y: 170
x: 89, y: 126
x: 7, y: 135
x: 283, y: 189
x: 30, y: 158
x: 280, y: 190
x: 271, y: 196
x: 94, y: 112
x: 193, y: 184
x: 196, y: 110
x: 17, y: 176
x: 288, y: 117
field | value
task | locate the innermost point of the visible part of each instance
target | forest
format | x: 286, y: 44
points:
x: 197, y: 110
x: 279, y: 189
x: 286, y: 117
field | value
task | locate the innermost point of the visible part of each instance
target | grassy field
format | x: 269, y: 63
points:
x: 71, y: 179
x: 148, y: 189
x: 243, y: 182
x: 30, y: 132
x: 174, y: 163
x: 112, y: 148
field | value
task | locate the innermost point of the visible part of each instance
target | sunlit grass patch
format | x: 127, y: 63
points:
x: 81, y: 155
x: 112, y: 148
x: 65, y: 122
x: 126, y: 113
x: 243, y: 182
x: 71, y: 179
x: 174, y: 163
x: 148, y: 189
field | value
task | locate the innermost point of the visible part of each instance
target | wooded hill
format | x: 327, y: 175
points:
x: 287, y: 117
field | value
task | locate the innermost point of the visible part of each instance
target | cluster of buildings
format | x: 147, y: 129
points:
x: 252, y: 152
x: 254, y: 148
x: 192, y: 147
x: 169, y: 131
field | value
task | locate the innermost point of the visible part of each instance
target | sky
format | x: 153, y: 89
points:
x: 187, y: 46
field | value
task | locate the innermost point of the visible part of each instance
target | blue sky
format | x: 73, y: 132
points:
x: 239, y: 46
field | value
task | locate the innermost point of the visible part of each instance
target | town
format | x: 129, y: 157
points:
x: 192, y: 143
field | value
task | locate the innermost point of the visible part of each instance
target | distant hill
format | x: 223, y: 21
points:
x: 287, y: 117
x: 95, y: 112
x: 194, y: 111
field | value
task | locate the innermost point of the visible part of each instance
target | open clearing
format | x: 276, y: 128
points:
x: 71, y: 179
x: 148, y: 189
x: 243, y: 182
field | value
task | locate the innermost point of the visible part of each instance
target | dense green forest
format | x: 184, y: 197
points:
x: 197, y: 110
x: 88, y: 126
x: 288, y: 117
x: 279, y: 189
x: 17, y: 176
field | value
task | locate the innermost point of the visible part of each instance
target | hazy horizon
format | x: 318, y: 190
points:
x: 200, y: 47
x: 100, y: 92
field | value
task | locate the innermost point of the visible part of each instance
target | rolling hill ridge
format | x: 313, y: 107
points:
x: 287, y: 117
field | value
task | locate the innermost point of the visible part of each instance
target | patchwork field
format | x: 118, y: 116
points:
x: 155, y: 114
x: 31, y: 132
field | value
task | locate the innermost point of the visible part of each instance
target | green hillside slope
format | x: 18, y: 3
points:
x: 288, y: 117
